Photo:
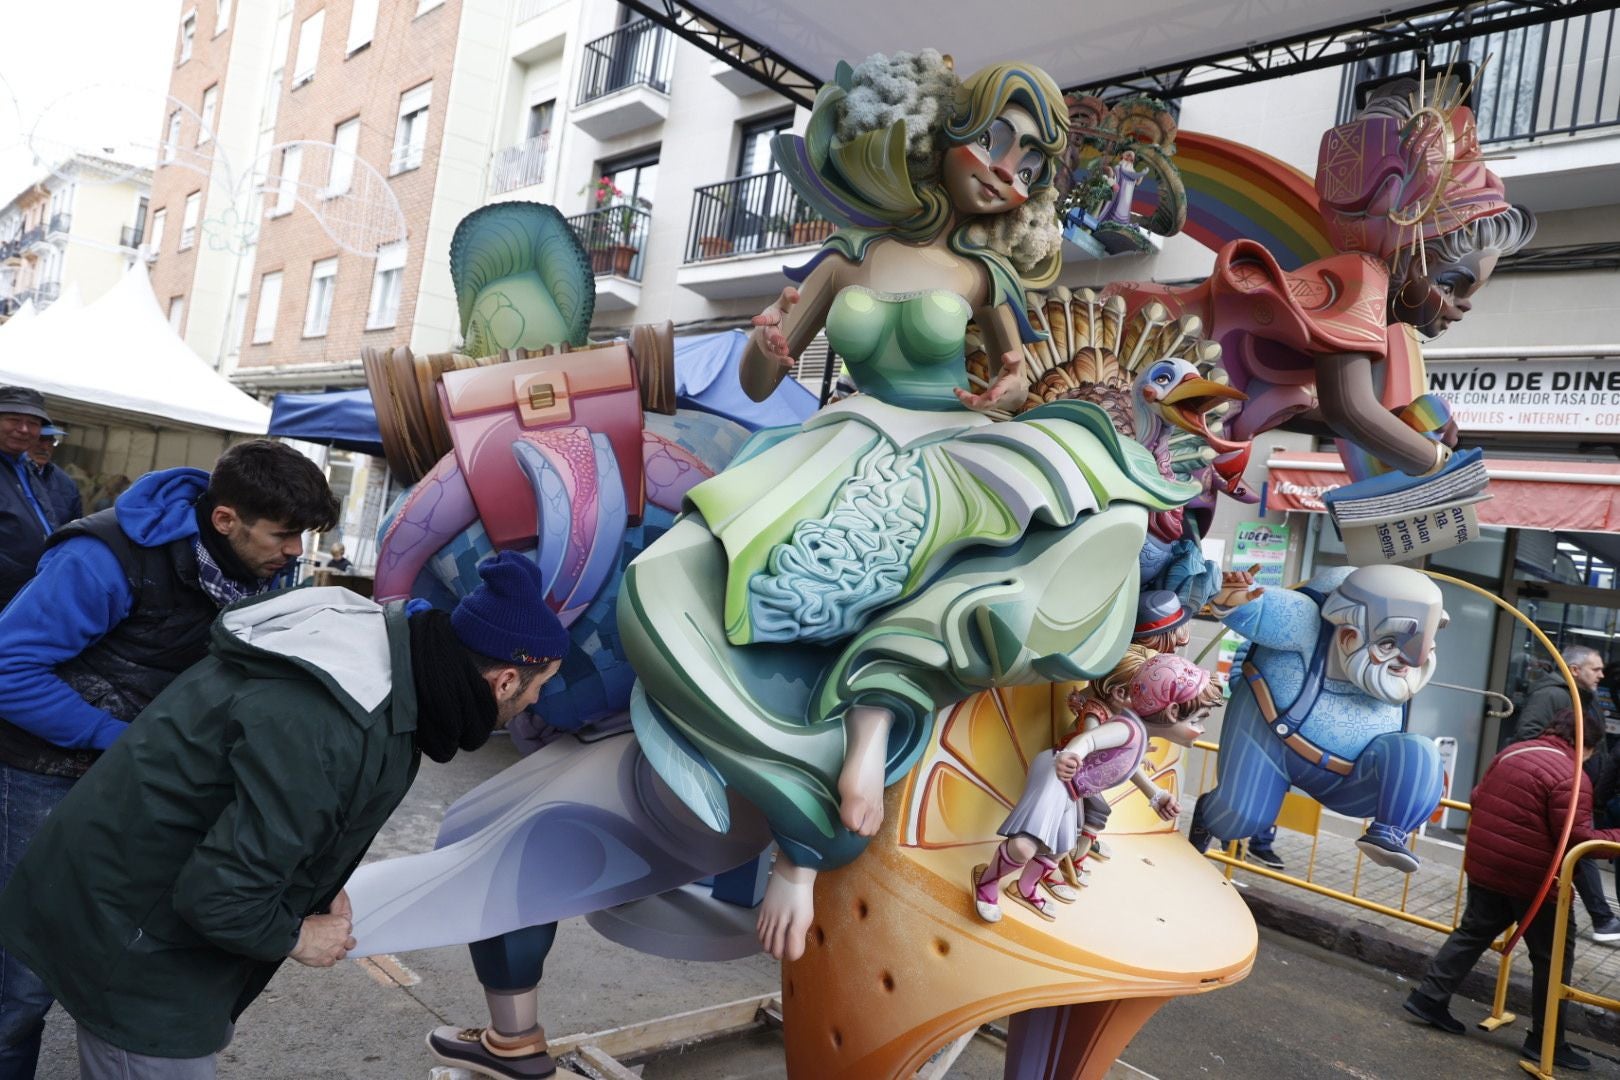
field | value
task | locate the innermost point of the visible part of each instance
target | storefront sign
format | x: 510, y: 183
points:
x: 1263, y: 545
x: 1546, y: 396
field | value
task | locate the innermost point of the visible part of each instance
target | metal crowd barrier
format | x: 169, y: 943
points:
x: 1558, y: 991
x: 1302, y: 814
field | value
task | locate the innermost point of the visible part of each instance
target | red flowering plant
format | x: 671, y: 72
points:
x: 605, y: 194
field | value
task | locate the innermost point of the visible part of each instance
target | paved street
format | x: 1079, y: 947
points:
x: 1303, y: 1013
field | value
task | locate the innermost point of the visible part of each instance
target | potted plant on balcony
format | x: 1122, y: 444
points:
x: 777, y: 231
x: 808, y: 226
x: 718, y: 217
x: 613, y: 229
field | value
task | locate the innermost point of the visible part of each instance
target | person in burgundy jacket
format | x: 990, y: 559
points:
x: 1519, y: 807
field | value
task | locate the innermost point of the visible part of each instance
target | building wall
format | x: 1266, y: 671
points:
x: 183, y: 166
x: 223, y: 264
x: 93, y: 260
x: 407, y: 50
x: 470, y: 114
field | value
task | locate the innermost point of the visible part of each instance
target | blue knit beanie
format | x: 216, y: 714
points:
x: 506, y: 617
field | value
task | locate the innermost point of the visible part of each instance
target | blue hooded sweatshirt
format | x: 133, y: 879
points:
x: 77, y: 596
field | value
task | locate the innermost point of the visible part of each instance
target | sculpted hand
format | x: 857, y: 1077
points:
x: 1166, y: 806
x: 1007, y: 393
x: 323, y: 940
x: 768, y: 327
x: 1067, y: 766
x: 1237, y: 589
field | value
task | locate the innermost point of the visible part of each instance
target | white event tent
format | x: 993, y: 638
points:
x: 120, y: 353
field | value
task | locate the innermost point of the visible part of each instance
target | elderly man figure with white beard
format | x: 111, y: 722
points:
x: 1321, y: 704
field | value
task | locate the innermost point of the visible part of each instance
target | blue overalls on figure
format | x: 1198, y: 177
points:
x: 1288, y: 723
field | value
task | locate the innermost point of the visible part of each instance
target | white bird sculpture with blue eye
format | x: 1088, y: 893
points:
x: 1169, y: 395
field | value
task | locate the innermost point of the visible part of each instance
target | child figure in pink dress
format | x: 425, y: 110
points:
x: 1169, y: 698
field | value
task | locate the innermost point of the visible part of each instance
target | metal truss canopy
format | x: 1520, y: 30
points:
x: 1179, y: 48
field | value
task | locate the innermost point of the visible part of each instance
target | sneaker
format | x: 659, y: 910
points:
x: 1265, y: 856
x: 1564, y: 1057
x: 1606, y: 931
x: 1200, y: 838
x: 1383, y: 845
x: 467, y: 1048
x: 1430, y: 1013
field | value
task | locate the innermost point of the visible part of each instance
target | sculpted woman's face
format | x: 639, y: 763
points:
x: 1432, y: 302
x: 993, y: 174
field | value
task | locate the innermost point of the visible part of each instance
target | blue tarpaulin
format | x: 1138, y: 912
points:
x: 706, y: 368
x: 705, y: 378
x: 341, y: 418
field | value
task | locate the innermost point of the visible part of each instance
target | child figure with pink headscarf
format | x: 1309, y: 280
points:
x: 1169, y: 697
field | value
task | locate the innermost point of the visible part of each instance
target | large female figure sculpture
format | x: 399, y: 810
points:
x: 795, y: 633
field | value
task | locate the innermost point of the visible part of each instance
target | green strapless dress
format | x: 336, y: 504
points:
x: 896, y: 550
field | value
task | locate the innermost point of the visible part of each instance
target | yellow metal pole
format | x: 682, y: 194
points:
x: 1322, y: 890
x: 1500, y: 1017
x: 1555, y: 976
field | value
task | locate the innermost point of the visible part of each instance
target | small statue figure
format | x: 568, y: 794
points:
x: 1321, y: 704
x: 1161, y: 627
x: 1124, y: 177
x: 1168, y: 697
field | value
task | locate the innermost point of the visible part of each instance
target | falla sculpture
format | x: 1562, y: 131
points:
x: 852, y: 637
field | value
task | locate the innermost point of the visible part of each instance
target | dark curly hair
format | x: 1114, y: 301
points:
x: 264, y: 479
x: 1563, y: 725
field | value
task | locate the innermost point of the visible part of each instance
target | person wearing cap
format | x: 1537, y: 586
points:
x: 27, y: 515
x: 214, y: 839
x: 121, y: 604
x: 64, y: 492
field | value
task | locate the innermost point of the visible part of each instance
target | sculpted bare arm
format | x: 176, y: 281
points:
x: 783, y: 330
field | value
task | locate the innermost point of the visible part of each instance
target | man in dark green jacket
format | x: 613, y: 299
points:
x: 213, y: 840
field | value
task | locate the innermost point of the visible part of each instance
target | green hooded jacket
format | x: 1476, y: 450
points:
x: 162, y: 894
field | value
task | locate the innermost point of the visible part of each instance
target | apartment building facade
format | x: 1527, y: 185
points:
x: 285, y: 121
x: 75, y: 229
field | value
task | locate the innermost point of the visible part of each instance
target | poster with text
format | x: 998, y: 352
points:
x: 1258, y: 543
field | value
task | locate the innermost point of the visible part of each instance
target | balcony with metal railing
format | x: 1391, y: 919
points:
x: 624, y: 80
x: 738, y: 227
x: 47, y: 292
x: 1550, y: 91
x: 60, y: 223
x: 34, y: 236
x: 1558, y: 78
x: 130, y: 236
x: 615, y: 237
x: 519, y: 166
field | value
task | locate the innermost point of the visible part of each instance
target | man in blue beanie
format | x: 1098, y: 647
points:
x: 214, y: 838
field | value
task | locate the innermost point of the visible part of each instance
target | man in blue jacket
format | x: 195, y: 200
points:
x: 26, y: 514
x: 122, y: 604
x: 65, y: 497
